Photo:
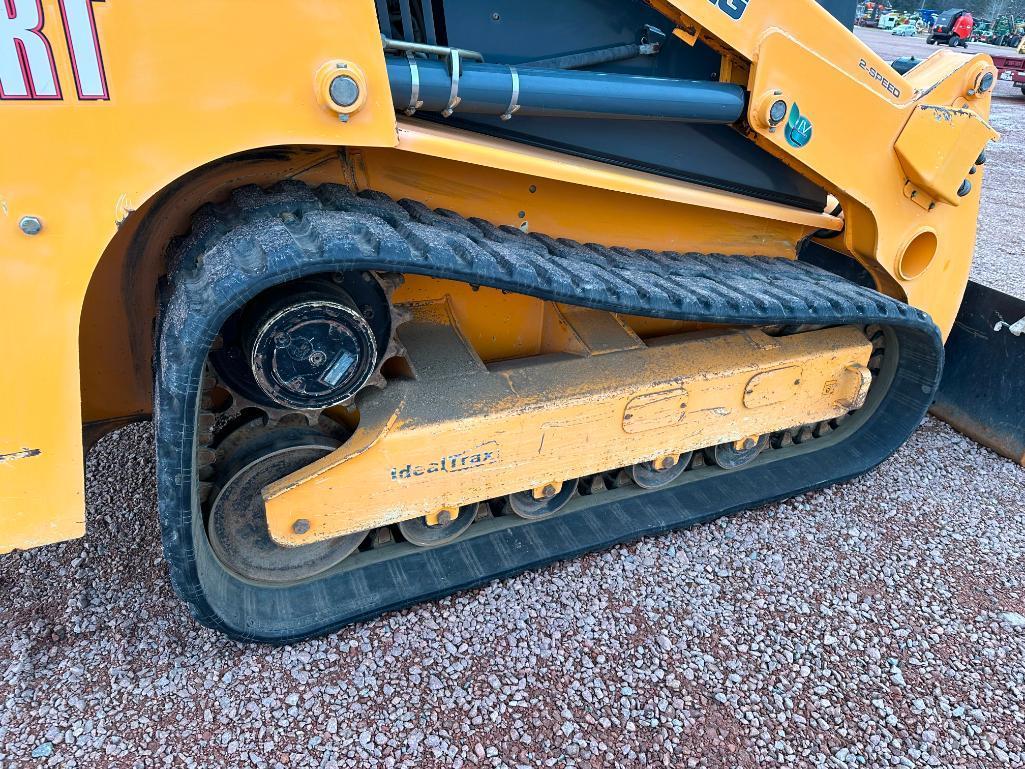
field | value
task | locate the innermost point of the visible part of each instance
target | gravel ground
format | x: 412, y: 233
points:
x: 877, y: 623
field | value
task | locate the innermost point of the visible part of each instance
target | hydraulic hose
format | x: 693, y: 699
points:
x: 502, y: 90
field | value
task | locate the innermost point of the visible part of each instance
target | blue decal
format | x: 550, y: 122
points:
x: 732, y: 8
x: 798, y: 130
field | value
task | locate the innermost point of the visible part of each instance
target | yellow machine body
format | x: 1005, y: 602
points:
x: 94, y: 185
x: 462, y: 432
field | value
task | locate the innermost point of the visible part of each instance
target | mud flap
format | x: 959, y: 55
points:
x: 983, y: 388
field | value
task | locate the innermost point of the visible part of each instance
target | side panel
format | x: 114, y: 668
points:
x: 715, y: 155
x: 179, y: 84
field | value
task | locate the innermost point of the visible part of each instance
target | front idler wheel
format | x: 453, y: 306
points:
x: 733, y: 456
x: 542, y: 502
x: 439, y: 528
x: 237, y: 519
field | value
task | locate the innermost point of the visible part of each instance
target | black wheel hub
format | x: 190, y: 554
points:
x: 313, y: 354
x: 307, y: 344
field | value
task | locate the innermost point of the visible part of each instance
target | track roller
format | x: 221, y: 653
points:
x: 439, y: 528
x: 237, y: 523
x: 732, y: 456
x: 660, y: 472
x: 542, y: 502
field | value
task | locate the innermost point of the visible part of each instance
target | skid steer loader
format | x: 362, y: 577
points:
x: 423, y: 293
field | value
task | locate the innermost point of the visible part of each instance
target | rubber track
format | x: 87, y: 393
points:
x: 263, y: 237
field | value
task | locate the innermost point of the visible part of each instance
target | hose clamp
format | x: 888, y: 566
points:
x: 514, y: 105
x: 453, y: 98
x: 415, y: 102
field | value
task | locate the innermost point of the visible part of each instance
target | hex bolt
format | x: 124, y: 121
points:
x: 668, y: 463
x: 301, y: 526
x: 31, y: 225
x: 548, y: 491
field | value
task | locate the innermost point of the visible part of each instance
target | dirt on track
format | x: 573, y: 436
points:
x: 877, y: 623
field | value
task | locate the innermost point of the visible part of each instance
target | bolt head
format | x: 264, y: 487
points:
x: 548, y: 491
x: 31, y: 225
x: 301, y: 526
x: 777, y: 112
x: 344, y: 91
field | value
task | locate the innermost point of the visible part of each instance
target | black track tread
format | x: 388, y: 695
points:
x: 261, y: 237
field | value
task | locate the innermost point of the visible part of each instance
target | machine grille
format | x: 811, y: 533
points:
x: 412, y: 20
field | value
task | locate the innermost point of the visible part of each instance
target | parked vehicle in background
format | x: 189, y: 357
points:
x: 905, y: 30
x: 953, y: 27
x: 1004, y: 32
x: 983, y: 31
x: 869, y: 14
x: 889, y: 21
x: 1012, y: 68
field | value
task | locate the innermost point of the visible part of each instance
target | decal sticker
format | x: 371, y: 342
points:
x: 798, y: 129
x: 84, y: 47
x: 880, y: 78
x: 27, y: 70
x: 471, y: 459
x: 732, y: 8
x: 27, y: 67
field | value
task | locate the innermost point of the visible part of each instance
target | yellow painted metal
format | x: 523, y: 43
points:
x: 935, y: 148
x: 427, y: 139
x: 462, y: 432
x: 105, y: 178
x: 189, y: 82
x: 858, y: 107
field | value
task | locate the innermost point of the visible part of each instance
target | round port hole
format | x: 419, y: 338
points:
x: 918, y: 255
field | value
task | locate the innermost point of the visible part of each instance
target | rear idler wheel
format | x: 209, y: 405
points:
x: 733, y: 456
x: 542, y: 503
x: 440, y: 528
x: 660, y: 472
x: 237, y: 520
